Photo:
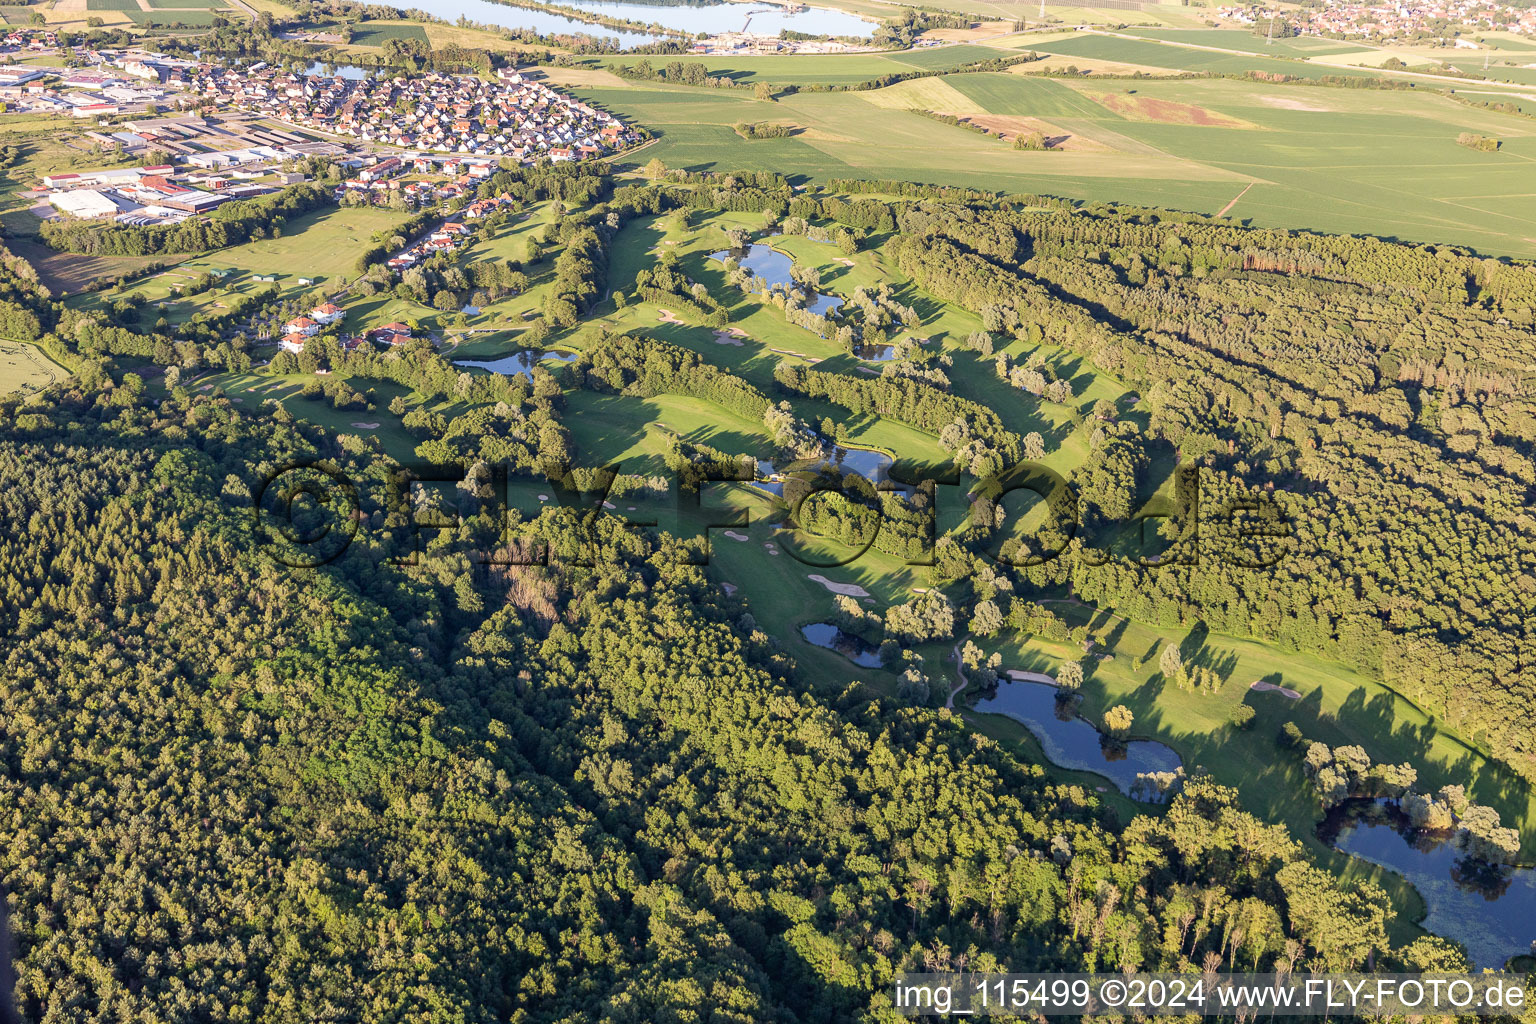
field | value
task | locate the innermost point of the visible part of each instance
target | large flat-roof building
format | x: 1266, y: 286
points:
x: 20, y: 74
x: 84, y: 202
x: 193, y: 202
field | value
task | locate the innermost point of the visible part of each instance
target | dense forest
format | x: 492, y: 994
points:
x: 239, y: 791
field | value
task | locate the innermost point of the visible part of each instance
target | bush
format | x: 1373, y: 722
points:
x: 1242, y: 717
x: 1290, y: 735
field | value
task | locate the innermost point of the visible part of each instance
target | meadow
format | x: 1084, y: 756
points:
x: 24, y: 368
x: 322, y: 246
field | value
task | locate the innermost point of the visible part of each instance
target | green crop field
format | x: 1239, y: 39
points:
x: 1181, y: 58
x: 377, y: 34
x: 1392, y: 164
x: 821, y: 69
x: 195, y: 18
x: 112, y: 5
x: 1238, y: 39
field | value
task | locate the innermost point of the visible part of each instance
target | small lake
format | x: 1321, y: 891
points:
x: 866, y: 462
x: 356, y: 74
x: 1071, y: 741
x: 1489, y: 909
x: 855, y: 649
x: 772, y: 267
x: 874, y: 353
x: 763, y: 19
x: 543, y: 22
x: 519, y: 362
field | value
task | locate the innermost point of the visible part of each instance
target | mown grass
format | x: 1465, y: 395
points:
x: 24, y: 368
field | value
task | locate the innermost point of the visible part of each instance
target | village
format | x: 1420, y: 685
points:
x: 248, y: 124
x: 511, y: 117
x: 1390, y: 21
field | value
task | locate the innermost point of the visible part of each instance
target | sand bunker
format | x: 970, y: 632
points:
x: 365, y: 426
x: 666, y: 316
x: 735, y: 536
x: 727, y: 338
x: 869, y: 370
x: 846, y: 589
x: 729, y: 588
x: 792, y: 352
x: 543, y: 497
x: 1030, y: 677
x: 1283, y: 691
x: 844, y: 260
x: 609, y: 504
x: 768, y: 546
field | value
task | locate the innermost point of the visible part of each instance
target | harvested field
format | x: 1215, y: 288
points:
x: 1148, y: 108
x: 1056, y: 138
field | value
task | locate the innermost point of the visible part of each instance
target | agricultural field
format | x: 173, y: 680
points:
x: 820, y: 69
x: 1392, y: 163
x: 192, y: 18
x: 375, y: 33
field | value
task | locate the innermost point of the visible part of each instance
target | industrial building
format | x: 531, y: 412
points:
x: 84, y: 202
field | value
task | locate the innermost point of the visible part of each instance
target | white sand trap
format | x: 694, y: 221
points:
x: 365, y: 426
x: 1284, y: 691
x: 609, y: 504
x: 729, y: 588
x: 238, y: 401
x: 666, y: 316
x: 844, y: 260
x: 846, y: 589
x: 206, y: 387
x: 543, y: 497
x: 768, y: 546
x: 735, y: 536
x: 1030, y: 677
x: 631, y: 508
x: 869, y: 600
x: 725, y: 338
